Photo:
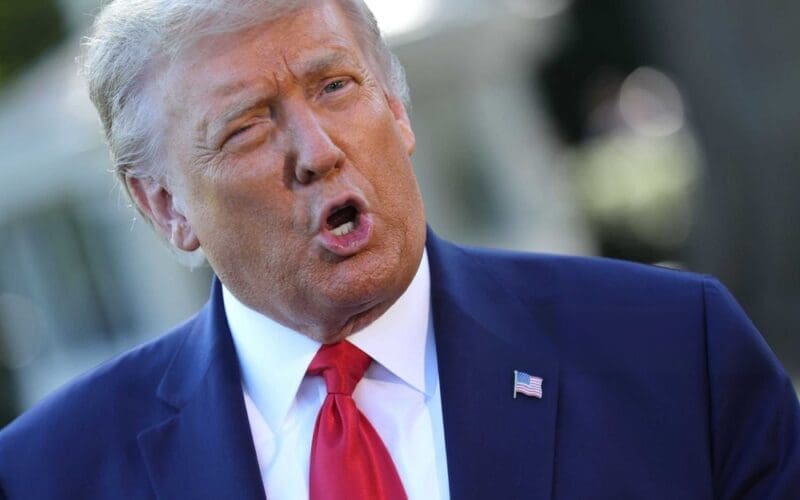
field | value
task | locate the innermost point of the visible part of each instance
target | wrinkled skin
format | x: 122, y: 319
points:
x: 265, y: 128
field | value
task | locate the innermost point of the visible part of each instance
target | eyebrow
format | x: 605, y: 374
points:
x: 324, y: 62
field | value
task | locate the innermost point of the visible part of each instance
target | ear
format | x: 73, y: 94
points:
x: 401, y: 117
x: 157, y: 203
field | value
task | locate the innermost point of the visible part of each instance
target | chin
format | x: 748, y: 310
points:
x: 367, y: 279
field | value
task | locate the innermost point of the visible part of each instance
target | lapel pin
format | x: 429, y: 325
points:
x: 527, y: 385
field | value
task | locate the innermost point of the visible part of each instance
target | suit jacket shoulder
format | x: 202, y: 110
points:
x: 165, y: 420
x: 70, y: 435
x: 563, y: 277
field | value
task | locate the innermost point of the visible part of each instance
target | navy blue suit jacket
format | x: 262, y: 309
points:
x: 656, y: 385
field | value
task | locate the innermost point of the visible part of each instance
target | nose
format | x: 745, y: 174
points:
x: 315, y: 153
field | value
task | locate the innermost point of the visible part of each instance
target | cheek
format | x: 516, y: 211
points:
x: 378, y: 143
x: 384, y: 160
x: 227, y: 206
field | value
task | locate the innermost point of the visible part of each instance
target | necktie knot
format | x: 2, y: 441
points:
x: 341, y: 365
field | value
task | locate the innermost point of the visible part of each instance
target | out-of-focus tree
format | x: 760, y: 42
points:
x: 27, y: 29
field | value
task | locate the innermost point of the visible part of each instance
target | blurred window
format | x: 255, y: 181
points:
x: 60, y: 263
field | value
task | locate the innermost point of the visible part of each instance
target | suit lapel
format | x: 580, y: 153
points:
x: 205, y: 449
x: 497, y: 446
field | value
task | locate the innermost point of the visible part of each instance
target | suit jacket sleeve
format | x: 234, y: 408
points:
x: 755, y: 419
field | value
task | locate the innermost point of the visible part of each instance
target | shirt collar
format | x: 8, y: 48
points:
x: 273, y: 359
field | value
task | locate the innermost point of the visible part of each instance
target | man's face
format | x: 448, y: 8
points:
x: 290, y: 166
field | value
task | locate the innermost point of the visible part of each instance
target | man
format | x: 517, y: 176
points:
x: 274, y: 137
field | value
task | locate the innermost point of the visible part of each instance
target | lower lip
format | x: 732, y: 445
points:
x: 350, y: 243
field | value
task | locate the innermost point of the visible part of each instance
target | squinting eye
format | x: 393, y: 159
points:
x: 236, y: 133
x: 246, y: 133
x: 241, y: 130
x: 334, y: 86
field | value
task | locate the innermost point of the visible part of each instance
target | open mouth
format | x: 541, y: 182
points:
x: 345, y: 227
x: 343, y: 220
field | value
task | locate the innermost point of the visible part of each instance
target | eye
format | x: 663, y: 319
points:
x: 251, y: 132
x: 241, y: 130
x: 334, y: 86
x: 234, y: 136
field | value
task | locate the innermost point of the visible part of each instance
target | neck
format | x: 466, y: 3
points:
x: 329, y: 332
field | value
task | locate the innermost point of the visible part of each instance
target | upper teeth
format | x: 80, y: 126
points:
x: 343, y: 229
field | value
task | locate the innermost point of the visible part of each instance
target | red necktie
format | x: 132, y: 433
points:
x: 348, y: 459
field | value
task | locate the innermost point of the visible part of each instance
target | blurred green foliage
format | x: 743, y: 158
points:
x: 27, y: 29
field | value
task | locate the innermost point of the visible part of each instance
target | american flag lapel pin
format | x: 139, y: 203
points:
x: 527, y: 385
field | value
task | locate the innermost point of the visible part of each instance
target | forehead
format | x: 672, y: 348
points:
x: 296, y: 43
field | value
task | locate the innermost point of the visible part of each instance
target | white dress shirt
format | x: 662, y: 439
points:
x: 399, y: 393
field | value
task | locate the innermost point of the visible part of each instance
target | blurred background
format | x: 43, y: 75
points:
x: 657, y: 131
